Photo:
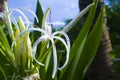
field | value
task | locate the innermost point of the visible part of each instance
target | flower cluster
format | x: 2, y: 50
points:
x: 21, y: 45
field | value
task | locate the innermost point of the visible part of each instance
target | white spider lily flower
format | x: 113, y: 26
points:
x: 19, y: 11
x: 51, y: 36
x: 30, y: 11
x: 7, y: 15
x: 25, y: 17
x: 48, y: 35
x: 22, y: 33
x: 67, y: 45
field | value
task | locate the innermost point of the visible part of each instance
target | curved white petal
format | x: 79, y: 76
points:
x: 30, y: 29
x: 30, y: 11
x: 15, y: 22
x: 19, y: 11
x: 35, y: 47
x: 67, y: 49
x: 38, y: 41
x: 65, y: 35
x: 54, y: 59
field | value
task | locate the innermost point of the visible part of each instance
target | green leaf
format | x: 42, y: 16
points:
x: 45, y: 72
x: 5, y: 50
x: 76, y: 50
x: 39, y: 13
x: 78, y: 17
x: 44, y: 44
x: 36, y: 35
x: 3, y: 39
x: 89, y: 50
x: 4, y: 45
x: 2, y: 71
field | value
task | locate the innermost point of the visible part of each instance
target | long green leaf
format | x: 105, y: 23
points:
x: 78, y: 44
x: 69, y: 26
x: 5, y: 44
x: 39, y: 13
x: 5, y: 49
x: 73, y: 22
x: 90, y: 48
x: 36, y: 35
x: 2, y: 71
x: 84, y: 30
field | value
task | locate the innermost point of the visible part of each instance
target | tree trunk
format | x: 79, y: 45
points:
x: 2, y: 8
x: 2, y: 5
x: 101, y: 67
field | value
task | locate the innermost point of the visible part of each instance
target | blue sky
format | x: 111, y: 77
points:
x: 61, y: 10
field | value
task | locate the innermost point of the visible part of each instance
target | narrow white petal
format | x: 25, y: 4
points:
x: 30, y: 29
x: 65, y: 35
x: 15, y: 23
x: 35, y: 47
x: 30, y: 11
x: 38, y: 41
x: 67, y: 49
x: 54, y: 59
x: 48, y: 45
x: 66, y: 45
x: 17, y: 10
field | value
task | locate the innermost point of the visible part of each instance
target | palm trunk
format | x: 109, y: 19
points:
x: 2, y: 9
x: 101, y: 67
x: 2, y: 5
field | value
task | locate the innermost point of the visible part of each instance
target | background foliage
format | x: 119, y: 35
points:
x: 113, y: 17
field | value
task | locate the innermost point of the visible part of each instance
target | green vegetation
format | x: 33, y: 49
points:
x: 38, y: 53
x: 113, y: 11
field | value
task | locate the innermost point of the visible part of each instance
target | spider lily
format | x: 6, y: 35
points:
x: 48, y: 35
x: 22, y: 51
x: 7, y: 16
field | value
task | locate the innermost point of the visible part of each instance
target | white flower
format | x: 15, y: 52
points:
x: 7, y: 15
x: 51, y: 36
x: 48, y: 35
